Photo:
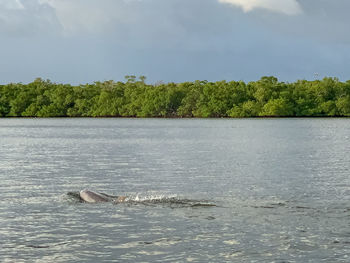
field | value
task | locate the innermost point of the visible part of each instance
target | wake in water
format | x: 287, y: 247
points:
x: 172, y: 201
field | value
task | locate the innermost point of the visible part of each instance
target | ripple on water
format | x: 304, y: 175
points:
x: 280, y: 190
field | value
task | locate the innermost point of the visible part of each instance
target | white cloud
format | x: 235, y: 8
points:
x: 288, y: 7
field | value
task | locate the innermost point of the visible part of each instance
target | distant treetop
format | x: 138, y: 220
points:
x: 266, y: 97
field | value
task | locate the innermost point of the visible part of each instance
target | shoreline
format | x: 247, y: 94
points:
x: 179, y: 118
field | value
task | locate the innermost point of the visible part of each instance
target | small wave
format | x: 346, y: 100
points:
x: 154, y: 199
x: 173, y: 202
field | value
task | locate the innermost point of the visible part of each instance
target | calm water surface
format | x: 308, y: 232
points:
x: 281, y: 189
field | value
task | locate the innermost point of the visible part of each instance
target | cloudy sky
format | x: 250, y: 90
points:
x: 79, y: 41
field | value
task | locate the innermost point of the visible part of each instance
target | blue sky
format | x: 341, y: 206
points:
x: 79, y: 41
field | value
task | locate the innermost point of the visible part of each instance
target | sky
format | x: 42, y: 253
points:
x: 82, y: 41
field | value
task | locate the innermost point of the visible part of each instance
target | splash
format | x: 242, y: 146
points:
x: 139, y: 197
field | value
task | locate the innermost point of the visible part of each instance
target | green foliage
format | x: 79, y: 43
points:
x: 277, y: 107
x: 245, y: 110
x: 266, y: 97
x: 343, y: 106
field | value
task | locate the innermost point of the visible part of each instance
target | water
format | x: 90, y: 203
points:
x: 281, y: 190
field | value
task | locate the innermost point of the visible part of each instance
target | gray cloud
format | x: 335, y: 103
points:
x: 322, y: 21
x: 86, y: 40
x: 11, y: 4
x: 173, y: 19
x: 27, y: 18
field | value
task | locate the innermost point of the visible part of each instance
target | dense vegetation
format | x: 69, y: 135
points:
x: 135, y: 98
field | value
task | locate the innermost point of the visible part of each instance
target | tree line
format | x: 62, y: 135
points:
x: 266, y: 97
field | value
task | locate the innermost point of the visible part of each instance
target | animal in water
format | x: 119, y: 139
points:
x: 94, y: 197
x: 89, y: 196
